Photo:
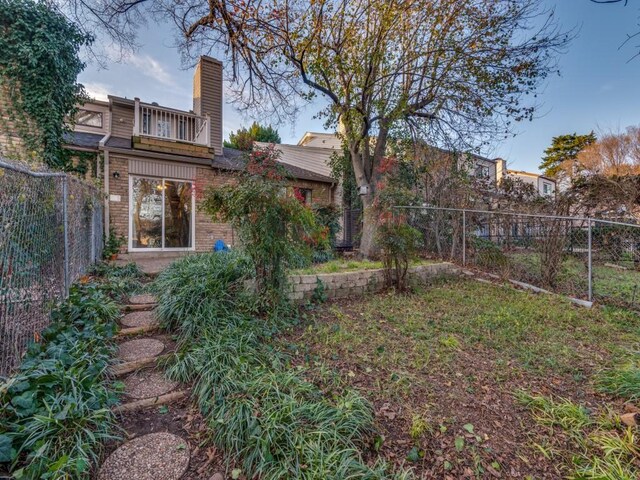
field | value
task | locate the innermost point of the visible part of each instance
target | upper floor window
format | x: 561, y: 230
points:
x: 89, y: 118
x: 482, y: 171
x: 547, y: 188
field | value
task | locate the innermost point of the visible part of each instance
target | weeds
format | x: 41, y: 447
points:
x: 622, y: 381
x: 604, y: 450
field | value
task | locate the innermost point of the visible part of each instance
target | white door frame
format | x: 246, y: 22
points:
x: 193, y: 216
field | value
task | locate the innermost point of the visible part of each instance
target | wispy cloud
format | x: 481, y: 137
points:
x: 149, y: 66
x: 98, y: 91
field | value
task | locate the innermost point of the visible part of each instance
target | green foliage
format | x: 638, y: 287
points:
x: 243, y: 139
x: 112, y: 244
x: 258, y: 408
x: 274, y: 229
x: 118, y: 281
x: 203, y: 292
x: 398, y: 243
x: 488, y: 254
x: 327, y: 219
x: 39, y: 67
x: 622, y: 381
x: 56, y: 409
x: 562, y: 149
x: 603, y: 451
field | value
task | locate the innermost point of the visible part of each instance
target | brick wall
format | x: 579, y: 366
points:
x: 206, y: 230
x: 119, y: 211
x: 320, y: 192
x: 348, y: 284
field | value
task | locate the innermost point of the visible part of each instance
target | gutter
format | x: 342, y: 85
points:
x: 101, y: 146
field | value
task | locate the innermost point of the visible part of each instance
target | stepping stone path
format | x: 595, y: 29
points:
x: 147, y: 384
x: 142, y: 318
x: 140, y: 348
x: 157, y: 456
x: 142, y: 299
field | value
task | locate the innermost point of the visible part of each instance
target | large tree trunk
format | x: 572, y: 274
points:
x: 369, y: 228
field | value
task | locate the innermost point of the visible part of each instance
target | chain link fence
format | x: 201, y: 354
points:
x: 590, y: 259
x: 51, y: 231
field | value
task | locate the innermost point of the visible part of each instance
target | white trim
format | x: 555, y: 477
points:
x: 192, y: 248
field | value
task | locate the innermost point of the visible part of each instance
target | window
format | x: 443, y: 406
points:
x: 146, y: 123
x: 547, y: 188
x: 164, y: 129
x: 303, y: 194
x: 482, y: 171
x: 88, y: 118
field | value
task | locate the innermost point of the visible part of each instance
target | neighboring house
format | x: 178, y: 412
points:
x: 156, y: 161
x: 321, y: 140
x: 545, y: 186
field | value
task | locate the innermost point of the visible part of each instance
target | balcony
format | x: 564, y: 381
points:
x: 169, y: 125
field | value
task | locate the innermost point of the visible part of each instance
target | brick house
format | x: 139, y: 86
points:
x: 154, y: 162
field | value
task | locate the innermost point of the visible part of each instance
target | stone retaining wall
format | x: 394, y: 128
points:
x: 347, y: 284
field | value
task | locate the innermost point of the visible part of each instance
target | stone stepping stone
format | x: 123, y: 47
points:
x: 142, y: 299
x: 147, y: 384
x: 143, y: 318
x: 157, y: 456
x: 139, y: 349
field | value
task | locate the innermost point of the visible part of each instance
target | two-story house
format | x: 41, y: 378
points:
x: 544, y: 185
x: 154, y: 163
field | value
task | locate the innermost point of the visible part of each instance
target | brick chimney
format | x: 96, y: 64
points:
x: 207, y: 97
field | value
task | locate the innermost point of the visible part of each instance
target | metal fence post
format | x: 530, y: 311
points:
x: 93, y: 233
x: 590, y: 262
x: 464, y: 238
x: 65, y: 221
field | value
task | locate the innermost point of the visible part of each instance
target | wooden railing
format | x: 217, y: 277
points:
x: 168, y: 124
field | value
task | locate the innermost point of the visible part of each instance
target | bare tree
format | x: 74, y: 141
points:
x: 630, y: 36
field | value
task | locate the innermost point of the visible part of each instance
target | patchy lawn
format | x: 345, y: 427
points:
x: 454, y: 373
x: 616, y: 283
x: 346, y: 265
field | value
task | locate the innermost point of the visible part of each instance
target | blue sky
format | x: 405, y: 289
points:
x: 599, y: 89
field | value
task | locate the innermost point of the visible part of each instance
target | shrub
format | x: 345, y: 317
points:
x: 327, y: 217
x: 274, y: 228
x: 489, y: 255
x: 398, y: 243
x: 112, y: 244
x: 56, y: 409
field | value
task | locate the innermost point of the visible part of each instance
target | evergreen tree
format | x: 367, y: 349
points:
x: 243, y: 139
x: 562, y: 149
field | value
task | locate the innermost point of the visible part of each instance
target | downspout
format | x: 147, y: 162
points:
x: 102, y: 144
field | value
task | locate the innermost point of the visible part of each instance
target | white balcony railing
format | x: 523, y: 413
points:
x: 168, y: 124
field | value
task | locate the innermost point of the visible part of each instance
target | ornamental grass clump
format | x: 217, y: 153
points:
x: 56, y: 409
x: 259, y: 409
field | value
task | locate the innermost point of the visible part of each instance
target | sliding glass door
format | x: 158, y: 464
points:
x: 161, y: 214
